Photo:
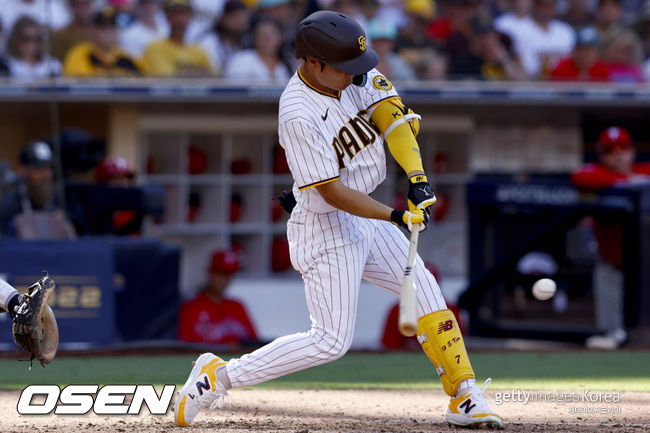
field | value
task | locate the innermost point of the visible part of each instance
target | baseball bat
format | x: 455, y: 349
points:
x: 407, y: 323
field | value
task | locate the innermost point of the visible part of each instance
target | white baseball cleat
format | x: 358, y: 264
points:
x: 201, y: 389
x: 472, y: 410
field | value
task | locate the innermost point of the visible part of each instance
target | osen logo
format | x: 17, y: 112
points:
x: 107, y: 400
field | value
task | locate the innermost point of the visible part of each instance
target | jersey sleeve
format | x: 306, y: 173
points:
x: 376, y: 89
x: 311, y: 159
x: 593, y: 178
x: 242, y: 314
x: 186, y: 320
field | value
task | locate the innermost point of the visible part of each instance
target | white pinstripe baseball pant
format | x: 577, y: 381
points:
x: 333, y: 252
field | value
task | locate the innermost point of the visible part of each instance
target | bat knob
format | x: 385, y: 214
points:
x: 407, y: 329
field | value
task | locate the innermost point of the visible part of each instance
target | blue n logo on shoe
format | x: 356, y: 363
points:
x: 200, y: 386
x: 468, y: 405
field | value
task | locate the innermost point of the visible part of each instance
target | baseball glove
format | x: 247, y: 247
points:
x: 34, y: 327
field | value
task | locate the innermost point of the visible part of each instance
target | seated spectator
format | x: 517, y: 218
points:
x: 578, y: 14
x: 490, y: 57
x: 354, y: 10
x: 211, y: 317
x: 264, y: 63
x: 284, y: 13
x: 623, y: 56
x: 124, y: 15
x: 227, y: 35
x: 172, y: 57
x: 584, y: 64
x: 4, y: 69
x: 78, y: 30
x: 517, y: 18
x: 48, y: 13
x: 26, y: 57
x: 609, y: 18
x: 642, y: 28
x: 422, y: 12
x: 461, y: 14
x: 149, y: 26
x: 101, y: 57
x: 542, y: 41
x: 413, y: 41
x: 431, y: 66
x: 207, y: 12
x: 382, y: 35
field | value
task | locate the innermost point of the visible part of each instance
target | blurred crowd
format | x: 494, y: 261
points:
x: 518, y: 40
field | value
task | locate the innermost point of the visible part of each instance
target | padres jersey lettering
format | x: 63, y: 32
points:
x: 344, y: 146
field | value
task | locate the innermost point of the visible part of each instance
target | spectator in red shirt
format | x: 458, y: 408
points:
x: 616, y: 167
x: 211, y: 317
x: 623, y: 53
x: 584, y: 64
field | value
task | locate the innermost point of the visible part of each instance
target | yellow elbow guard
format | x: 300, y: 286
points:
x: 442, y: 342
x: 391, y: 117
x: 391, y: 113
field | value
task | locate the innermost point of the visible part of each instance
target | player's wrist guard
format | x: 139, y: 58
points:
x: 420, y: 194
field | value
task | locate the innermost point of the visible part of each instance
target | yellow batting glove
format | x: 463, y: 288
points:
x: 407, y: 219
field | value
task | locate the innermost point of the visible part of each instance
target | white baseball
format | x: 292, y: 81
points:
x: 544, y: 289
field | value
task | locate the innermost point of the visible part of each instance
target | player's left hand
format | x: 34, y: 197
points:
x: 418, y: 219
x: 420, y: 195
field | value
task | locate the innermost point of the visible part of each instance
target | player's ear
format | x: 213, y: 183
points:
x: 312, y: 61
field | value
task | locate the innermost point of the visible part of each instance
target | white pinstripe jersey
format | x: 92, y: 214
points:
x: 326, y: 137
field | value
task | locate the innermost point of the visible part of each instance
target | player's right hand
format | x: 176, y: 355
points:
x: 407, y: 219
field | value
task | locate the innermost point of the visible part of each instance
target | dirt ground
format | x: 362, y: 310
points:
x: 346, y: 411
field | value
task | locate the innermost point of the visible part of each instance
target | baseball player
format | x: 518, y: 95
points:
x: 335, y: 114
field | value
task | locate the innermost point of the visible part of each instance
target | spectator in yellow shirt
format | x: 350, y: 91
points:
x: 101, y: 57
x: 171, y: 57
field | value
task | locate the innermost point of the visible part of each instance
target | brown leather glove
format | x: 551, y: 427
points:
x: 34, y: 327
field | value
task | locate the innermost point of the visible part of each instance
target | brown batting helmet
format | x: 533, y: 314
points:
x: 337, y: 40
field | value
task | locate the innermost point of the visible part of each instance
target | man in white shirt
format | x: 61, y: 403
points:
x: 542, y: 40
x: 207, y: 11
x: 520, y: 15
x: 150, y: 26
